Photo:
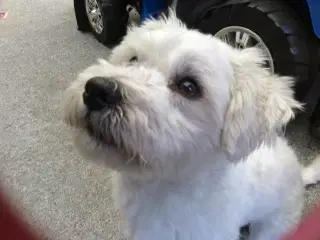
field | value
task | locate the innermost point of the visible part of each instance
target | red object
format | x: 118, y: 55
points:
x: 309, y: 228
x: 11, y: 225
x: 3, y: 15
x: 14, y: 228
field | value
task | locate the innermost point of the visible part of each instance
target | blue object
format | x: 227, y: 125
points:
x: 314, y: 8
x: 151, y: 8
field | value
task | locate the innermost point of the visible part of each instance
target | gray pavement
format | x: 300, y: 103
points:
x: 41, y: 52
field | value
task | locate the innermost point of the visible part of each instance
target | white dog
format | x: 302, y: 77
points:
x: 190, y: 126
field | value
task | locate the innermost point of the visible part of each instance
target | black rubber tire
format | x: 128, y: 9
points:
x: 81, y: 17
x: 289, y: 42
x: 115, y: 19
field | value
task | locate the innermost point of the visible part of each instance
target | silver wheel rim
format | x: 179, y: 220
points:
x: 240, y: 38
x: 94, y: 15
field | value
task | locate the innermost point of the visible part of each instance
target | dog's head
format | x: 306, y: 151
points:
x: 169, y: 96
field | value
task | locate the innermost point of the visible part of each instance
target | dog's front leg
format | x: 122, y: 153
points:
x: 147, y: 235
x: 223, y: 233
x: 177, y: 236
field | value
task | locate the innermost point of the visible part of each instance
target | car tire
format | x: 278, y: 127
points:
x: 81, y: 16
x: 114, y: 19
x: 287, y: 39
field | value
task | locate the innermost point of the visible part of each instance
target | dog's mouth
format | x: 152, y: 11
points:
x: 98, y: 135
x: 105, y: 129
x: 98, y: 127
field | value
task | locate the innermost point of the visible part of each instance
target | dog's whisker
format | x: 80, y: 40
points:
x: 130, y: 160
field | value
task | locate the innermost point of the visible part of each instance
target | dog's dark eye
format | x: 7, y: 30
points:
x: 133, y: 59
x: 188, y: 87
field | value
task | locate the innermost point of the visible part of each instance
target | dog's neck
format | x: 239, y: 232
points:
x: 184, y: 168
x: 187, y: 167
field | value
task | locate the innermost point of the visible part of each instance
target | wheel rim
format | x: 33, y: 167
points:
x: 94, y: 15
x: 240, y: 38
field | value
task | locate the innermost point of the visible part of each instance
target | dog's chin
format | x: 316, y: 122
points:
x: 99, y: 138
x: 106, y: 153
x: 102, y: 148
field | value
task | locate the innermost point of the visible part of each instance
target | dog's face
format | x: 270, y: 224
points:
x: 169, y: 96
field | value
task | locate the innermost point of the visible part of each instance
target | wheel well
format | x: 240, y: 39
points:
x: 301, y: 9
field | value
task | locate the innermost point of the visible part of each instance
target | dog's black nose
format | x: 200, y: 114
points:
x: 101, y: 92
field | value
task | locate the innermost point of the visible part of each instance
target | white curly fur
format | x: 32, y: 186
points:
x: 200, y: 168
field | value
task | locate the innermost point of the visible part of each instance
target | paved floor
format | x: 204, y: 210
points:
x: 41, y: 52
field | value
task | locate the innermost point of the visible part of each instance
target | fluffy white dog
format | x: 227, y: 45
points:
x: 190, y: 126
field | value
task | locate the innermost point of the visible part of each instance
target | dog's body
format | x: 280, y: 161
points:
x: 191, y: 129
x: 214, y: 202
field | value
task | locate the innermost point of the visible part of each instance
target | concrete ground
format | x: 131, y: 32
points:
x: 41, y: 52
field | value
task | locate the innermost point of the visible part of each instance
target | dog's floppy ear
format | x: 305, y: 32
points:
x: 260, y: 104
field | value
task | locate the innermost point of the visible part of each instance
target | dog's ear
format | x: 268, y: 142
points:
x: 260, y: 104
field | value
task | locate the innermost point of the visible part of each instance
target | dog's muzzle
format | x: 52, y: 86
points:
x: 103, y: 99
x: 101, y: 93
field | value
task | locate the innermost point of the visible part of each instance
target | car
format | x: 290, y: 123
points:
x: 108, y: 19
x: 288, y: 32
